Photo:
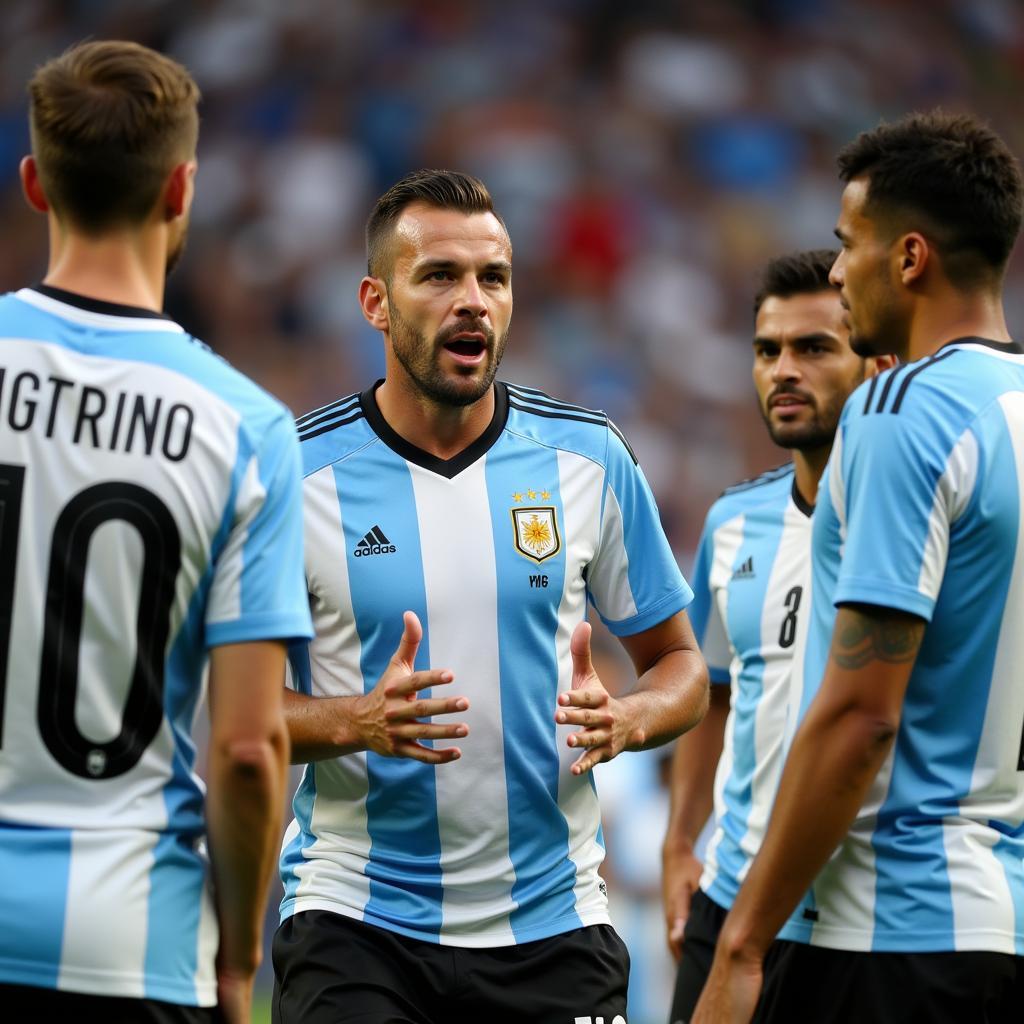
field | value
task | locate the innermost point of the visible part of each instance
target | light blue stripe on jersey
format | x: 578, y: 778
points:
x: 538, y: 832
x: 401, y: 799
x: 35, y: 864
x: 175, y: 901
x: 746, y: 606
x: 292, y: 856
x: 1010, y: 853
x: 947, y: 731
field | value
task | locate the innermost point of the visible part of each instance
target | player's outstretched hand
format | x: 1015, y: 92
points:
x: 680, y: 877
x: 391, y: 718
x: 607, y: 723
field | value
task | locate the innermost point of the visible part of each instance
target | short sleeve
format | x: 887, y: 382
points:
x: 259, y: 590
x: 633, y: 580
x: 704, y: 614
x: 903, y: 482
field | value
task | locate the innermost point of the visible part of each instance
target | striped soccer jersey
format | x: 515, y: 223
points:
x: 750, y: 584
x: 150, y: 507
x: 921, y: 510
x: 497, y: 551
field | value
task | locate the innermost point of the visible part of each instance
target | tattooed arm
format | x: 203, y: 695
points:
x: 836, y: 754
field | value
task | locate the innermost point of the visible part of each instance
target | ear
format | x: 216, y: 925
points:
x: 878, y: 364
x: 177, y: 196
x: 31, y: 186
x: 912, y: 257
x: 373, y: 299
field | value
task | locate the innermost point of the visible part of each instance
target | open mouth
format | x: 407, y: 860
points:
x: 468, y: 347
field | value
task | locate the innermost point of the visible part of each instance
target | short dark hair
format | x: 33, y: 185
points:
x: 109, y: 120
x: 796, y: 273
x: 443, y: 189
x: 952, y: 174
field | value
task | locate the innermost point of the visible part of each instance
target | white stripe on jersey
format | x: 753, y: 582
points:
x: 620, y: 604
x: 474, y: 855
x: 956, y: 485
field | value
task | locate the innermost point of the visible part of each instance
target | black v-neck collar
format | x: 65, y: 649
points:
x: 91, y: 305
x: 447, y: 468
x: 1010, y: 347
x: 800, y: 501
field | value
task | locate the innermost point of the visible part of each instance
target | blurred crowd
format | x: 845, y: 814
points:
x: 648, y: 158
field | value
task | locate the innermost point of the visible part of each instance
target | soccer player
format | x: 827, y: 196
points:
x: 751, y: 585
x: 150, y: 513
x: 463, y: 522
x: 909, y: 756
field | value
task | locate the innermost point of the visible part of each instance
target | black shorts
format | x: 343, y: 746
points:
x: 699, y: 937
x: 330, y: 969
x: 832, y: 986
x: 24, y: 1003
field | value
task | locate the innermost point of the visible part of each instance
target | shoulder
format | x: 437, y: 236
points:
x: 552, y: 422
x: 331, y: 432
x: 770, y: 489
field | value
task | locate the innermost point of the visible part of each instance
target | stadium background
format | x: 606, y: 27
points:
x: 648, y: 157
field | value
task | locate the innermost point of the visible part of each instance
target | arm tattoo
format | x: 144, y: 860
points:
x: 861, y: 638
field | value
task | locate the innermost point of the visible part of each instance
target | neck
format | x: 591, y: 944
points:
x: 127, y: 267
x: 977, y: 314
x: 808, y: 465
x: 441, y: 430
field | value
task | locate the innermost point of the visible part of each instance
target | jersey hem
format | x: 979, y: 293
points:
x: 884, y: 594
x: 679, y: 599
x: 266, y: 626
x: 984, y: 940
x: 556, y: 926
x: 105, y: 983
x: 719, y: 676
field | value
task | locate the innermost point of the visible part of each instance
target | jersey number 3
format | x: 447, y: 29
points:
x: 78, y: 521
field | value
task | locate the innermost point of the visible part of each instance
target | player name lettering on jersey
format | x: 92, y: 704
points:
x: 120, y: 421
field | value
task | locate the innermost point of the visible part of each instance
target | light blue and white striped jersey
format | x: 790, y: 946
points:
x: 921, y: 510
x: 750, y: 583
x: 150, y: 508
x: 497, y: 551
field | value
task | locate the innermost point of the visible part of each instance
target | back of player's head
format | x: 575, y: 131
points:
x: 109, y: 121
x: 442, y: 189
x: 948, y: 176
x: 796, y: 273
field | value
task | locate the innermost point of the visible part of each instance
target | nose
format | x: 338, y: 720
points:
x: 787, y: 366
x: 470, y: 300
x: 837, y: 274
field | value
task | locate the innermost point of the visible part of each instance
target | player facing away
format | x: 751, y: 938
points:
x: 452, y: 520
x: 751, y: 584
x: 902, y: 798
x: 150, y: 522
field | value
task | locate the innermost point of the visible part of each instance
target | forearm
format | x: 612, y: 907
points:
x: 670, y: 698
x: 245, y: 802
x: 835, y: 757
x: 321, y: 727
x: 692, y: 783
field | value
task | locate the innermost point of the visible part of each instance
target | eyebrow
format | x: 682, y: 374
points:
x: 432, y: 265
x: 800, y: 339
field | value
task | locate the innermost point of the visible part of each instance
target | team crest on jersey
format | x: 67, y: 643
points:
x: 535, y: 532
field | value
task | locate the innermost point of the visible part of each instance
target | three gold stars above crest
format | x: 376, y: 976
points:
x: 518, y: 496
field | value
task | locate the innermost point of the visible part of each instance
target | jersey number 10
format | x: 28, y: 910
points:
x: 80, y: 518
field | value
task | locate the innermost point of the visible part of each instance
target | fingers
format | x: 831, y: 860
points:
x: 675, y: 937
x: 579, y: 648
x: 412, y: 634
x: 428, y: 755
x: 593, y: 757
x: 427, y: 731
x: 425, y: 708
x: 416, y: 681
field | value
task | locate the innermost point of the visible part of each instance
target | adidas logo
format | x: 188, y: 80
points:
x: 374, y: 543
x: 745, y: 570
